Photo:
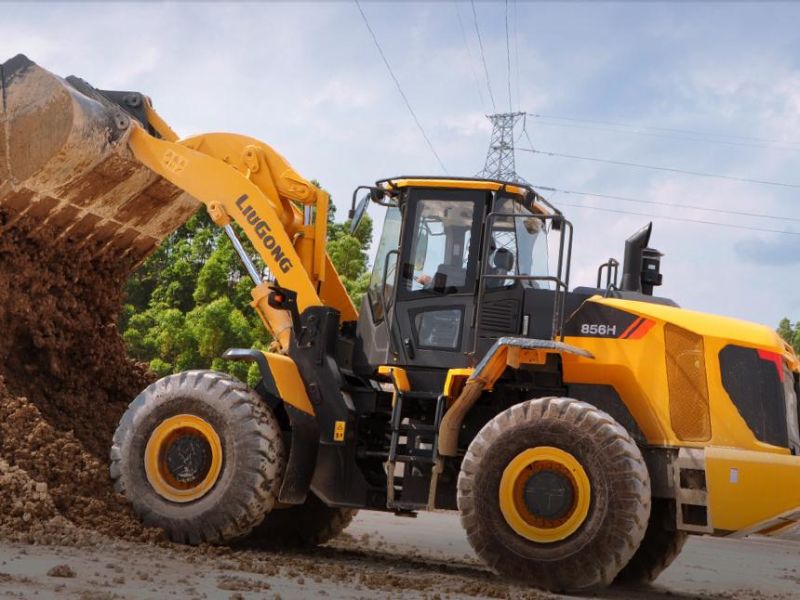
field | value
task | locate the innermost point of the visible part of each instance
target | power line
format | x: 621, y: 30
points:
x: 483, y: 55
x: 508, y: 62
x: 399, y: 87
x: 665, y: 135
x: 658, y: 168
x: 525, y: 130
x: 682, y: 219
x: 667, y: 129
x: 522, y: 131
x: 516, y: 52
x: 670, y: 204
x: 469, y: 55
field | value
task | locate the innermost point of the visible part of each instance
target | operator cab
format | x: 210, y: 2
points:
x: 457, y: 262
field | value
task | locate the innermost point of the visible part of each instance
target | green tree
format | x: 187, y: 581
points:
x: 348, y: 253
x: 790, y: 332
x: 189, y: 301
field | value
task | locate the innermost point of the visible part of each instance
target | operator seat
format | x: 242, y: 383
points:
x: 502, y: 264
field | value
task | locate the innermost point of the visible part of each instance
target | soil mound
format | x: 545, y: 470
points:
x: 65, y: 380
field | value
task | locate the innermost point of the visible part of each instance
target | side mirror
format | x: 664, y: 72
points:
x: 358, y: 213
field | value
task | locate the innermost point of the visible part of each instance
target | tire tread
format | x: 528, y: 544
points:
x: 254, y: 486
x: 629, y: 523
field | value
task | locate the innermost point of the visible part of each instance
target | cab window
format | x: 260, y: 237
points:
x: 518, y: 246
x: 439, y: 255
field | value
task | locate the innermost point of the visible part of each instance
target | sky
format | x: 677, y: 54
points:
x: 307, y: 79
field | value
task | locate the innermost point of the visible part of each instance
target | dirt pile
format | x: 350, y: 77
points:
x: 23, y: 500
x: 65, y: 380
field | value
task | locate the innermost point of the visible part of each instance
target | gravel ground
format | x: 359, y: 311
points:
x: 379, y: 556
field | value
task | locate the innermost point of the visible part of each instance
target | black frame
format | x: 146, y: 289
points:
x: 408, y: 303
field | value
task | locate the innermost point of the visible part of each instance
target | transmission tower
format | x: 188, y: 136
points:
x: 500, y: 157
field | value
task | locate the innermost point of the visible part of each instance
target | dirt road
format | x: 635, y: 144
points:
x: 379, y: 556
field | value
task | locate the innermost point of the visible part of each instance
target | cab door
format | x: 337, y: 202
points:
x: 435, y: 300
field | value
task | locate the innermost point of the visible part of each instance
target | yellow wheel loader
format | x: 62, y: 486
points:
x: 582, y: 433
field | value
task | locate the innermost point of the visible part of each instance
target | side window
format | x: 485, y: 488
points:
x: 380, y: 294
x: 439, y: 252
x: 503, y: 249
x: 518, y: 246
x: 439, y: 328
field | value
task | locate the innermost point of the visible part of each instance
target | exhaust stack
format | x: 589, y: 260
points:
x: 632, y: 267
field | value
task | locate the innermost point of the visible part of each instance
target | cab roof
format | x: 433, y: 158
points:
x: 524, y: 190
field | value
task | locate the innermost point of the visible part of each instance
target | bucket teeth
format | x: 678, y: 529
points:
x: 65, y: 166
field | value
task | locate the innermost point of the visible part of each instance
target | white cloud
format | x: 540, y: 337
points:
x: 341, y: 93
x: 307, y: 79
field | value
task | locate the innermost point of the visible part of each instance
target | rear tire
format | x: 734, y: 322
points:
x: 592, y: 446
x: 199, y: 455
x: 661, y: 545
x: 309, y: 524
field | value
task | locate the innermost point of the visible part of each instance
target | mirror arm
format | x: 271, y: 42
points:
x: 374, y: 194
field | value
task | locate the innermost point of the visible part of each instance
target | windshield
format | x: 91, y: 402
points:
x: 518, y: 245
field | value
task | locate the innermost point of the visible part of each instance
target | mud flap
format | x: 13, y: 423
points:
x: 302, y: 460
x: 337, y: 480
x: 304, y: 439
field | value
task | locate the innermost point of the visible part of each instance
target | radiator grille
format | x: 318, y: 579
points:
x: 753, y: 380
x: 688, y: 386
x: 500, y: 317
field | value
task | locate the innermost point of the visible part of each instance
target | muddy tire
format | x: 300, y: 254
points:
x: 200, y: 456
x: 541, y: 526
x: 661, y: 545
x: 305, y: 525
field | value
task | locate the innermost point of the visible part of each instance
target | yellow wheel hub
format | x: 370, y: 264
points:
x: 544, y: 494
x: 183, y: 458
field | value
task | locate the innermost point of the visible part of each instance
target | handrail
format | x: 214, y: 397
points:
x: 612, y: 266
x: 561, y: 277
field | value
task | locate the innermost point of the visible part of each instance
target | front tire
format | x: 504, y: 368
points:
x: 199, y: 455
x: 555, y: 493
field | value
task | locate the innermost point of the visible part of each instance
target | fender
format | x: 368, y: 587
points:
x: 282, y: 381
x: 506, y: 352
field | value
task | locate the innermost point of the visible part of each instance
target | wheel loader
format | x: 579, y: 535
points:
x: 582, y: 433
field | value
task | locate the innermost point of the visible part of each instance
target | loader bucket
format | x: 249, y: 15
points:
x: 65, y: 166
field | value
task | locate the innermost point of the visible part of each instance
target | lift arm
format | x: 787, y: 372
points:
x: 243, y: 180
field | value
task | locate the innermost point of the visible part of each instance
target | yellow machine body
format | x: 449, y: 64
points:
x: 637, y: 368
x: 674, y: 391
x: 125, y: 183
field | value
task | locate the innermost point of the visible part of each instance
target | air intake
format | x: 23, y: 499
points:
x: 688, y: 385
